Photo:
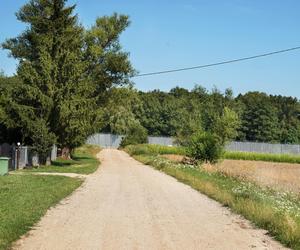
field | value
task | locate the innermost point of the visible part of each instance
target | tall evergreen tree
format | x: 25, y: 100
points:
x: 66, y: 73
x: 51, y: 66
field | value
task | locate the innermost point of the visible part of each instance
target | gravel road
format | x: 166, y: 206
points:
x: 125, y: 205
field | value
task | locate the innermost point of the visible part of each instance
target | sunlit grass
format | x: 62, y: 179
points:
x: 83, y: 161
x: 24, y: 199
x: 276, y: 211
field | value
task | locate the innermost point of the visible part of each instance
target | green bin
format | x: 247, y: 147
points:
x: 4, y: 165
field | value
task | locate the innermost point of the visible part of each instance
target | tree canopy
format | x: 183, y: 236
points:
x: 253, y: 116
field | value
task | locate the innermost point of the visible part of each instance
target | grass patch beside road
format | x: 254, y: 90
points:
x: 24, y: 199
x: 277, y: 212
x: 155, y: 149
x: 84, y: 162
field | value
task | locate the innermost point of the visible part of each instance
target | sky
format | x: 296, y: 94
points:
x: 169, y: 34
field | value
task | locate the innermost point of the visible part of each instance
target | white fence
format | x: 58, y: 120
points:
x: 113, y: 141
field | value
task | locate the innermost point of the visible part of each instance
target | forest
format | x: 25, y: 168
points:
x: 259, y: 117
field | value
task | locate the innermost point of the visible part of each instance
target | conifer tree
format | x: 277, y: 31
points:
x: 51, y: 66
x: 65, y: 72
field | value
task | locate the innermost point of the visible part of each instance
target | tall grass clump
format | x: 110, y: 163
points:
x: 205, y: 147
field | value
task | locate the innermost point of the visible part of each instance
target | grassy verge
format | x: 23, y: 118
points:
x: 24, y: 200
x: 154, y: 149
x: 277, y: 212
x: 84, y: 162
x: 250, y: 156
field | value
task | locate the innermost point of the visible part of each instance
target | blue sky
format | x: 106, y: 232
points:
x: 173, y: 34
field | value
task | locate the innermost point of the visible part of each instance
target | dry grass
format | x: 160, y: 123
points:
x: 284, y: 176
x: 174, y: 158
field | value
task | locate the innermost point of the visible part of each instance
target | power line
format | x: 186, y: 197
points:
x: 218, y: 63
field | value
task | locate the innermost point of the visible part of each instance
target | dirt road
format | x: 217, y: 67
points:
x: 128, y: 206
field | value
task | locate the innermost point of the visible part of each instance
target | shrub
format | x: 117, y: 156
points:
x: 205, y: 147
x: 135, y: 135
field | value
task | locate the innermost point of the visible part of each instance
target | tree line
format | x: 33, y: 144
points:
x: 253, y: 116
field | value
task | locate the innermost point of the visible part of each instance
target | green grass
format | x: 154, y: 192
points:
x: 154, y: 149
x: 250, y: 156
x: 277, y: 212
x: 83, y: 162
x: 24, y: 200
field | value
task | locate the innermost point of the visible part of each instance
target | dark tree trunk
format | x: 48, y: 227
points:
x: 66, y: 153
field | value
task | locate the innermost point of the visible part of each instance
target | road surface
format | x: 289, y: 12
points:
x: 125, y: 205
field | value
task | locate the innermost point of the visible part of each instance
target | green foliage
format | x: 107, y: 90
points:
x: 250, y: 156
x: 259, y: 118
x: 108, y: 65
x: 119, y: 111
x: 135, y: 135
x: 226, y: 125
x: 22, y: 122
x: 9, y: 132
x: 289, y: 117
x: 190, y: 122
x: 160, y: 113
x: 205, y: 147
x: 253, y: 117
x: 64, y: 72
x: 51, y: 69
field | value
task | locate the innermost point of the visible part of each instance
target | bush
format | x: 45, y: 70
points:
x: 135, y: 135
x: 205, y: 147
